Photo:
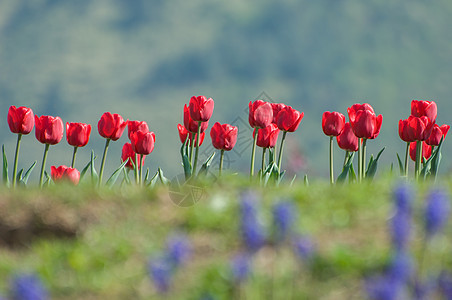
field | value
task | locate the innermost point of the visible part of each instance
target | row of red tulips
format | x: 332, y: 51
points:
x: 267, y: 119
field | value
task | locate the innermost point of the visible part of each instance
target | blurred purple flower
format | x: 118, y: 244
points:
x: 178, y: 249
x: 401, y: 267
x: 303, y: 247
x: 28, y: 287
x: 423, y: 290
x: 403, y: 196
x: 284, y: 215
x: 382, y: 288
x: 161, y: 272
x: 252, y: 231
x: 445, y: 285
x: 436, y: 212
x: 240, y: 267
x: 401, y: 229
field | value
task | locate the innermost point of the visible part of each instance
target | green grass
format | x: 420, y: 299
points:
x: 114, y: 232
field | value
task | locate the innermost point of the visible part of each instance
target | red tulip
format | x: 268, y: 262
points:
x: 183, y: 132
x: 64, y: 173
x: 128, y: 153
x: 260, y: 114
x: 347, y: 140
x: 49, y: 130
x: 277, y: 107
x: 201, y: 108
x: 437, y: 133
x: 364, y: 122
x: 133, y: 126
x: 142, y: 142
x: 404, y: 131
x: 333, y: 123
x: 192, y: 125
x: 424, y: 108
x: 268, y: 136
x: 426, y: 151
x: 288, y: 119
x: 111, y: 126
x: 20, y: 120
x: 77, y: 134
x: 415, y: 129
x: 224, y: 137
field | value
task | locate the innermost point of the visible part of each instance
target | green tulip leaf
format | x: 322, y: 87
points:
x: 436, y: 159
x: 5, y: 167
x: 206, y: 165
x: 185, y: 160
x: 47, y: 179
x: 346, y: 169
x: 111, y: 181
x: 374, y: 165
x: 351, y: 174
x: 126, y: 176
x: 86, y: 168
x: 153, y: 180
x: 19, y: 175
x: 295, y: 177
x: 305, y: 180
x: 24, y: 179
x: 94, y: 176
x: 401, y: 167
x: 146, y: 176
x: 162, y: 178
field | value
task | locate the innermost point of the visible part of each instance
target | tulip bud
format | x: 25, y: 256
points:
x: 111, y: 126
x: 333, y: 123
x: 64, y: 173
x: 224, y: 137
x: 142, y: 142
x: 201, y: 108
x: 20, y: 120
x: 437, y: 133
x: 190, y: 124
x: 364, y: 122
x: 424, y: 108
x: 49, y: 130
x: 133, y: 126
x: 77, y: 134
x: 183, y: 132
x: 128, y: 153
x: 260, y: 114
x: 347, y: 140
x: 288, y: 119
x: 267, y: 137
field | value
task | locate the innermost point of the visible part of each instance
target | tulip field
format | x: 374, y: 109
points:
x: 76, y: 232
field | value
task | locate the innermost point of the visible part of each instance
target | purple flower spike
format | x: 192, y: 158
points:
x: 284, y: 215
x: 241, y: 267
x: 251, y: 229
x: 382, y: 288
x: 401, y: 267
x: 28, y: 287
x: 401, y: 229
x: 403, y: 196
x: 303, y: 247
x: 161, y: 272
x: 178, y: 249
x: 445, y: 285
x: 436, y: 212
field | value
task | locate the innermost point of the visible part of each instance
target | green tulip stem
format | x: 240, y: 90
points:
x: 407, y: 151
x: 74, y: 154
x: 331, y: 161
x: 44, y: 159
x: 281, y: 148
x: 16, y: 158
x: 264, y: 150
x: 107, y: 143
x: 360, y: 157
x: 141, y: 169
x: 221, y: 162
x: 345, y: 158
x: 197, y: 148
x: 192, y: 147
x: 135, y: 169
x: 253, y: 154
x: 363, y: 172
x: 417, y: 167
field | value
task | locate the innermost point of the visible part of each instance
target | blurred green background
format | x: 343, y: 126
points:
x: 145, y: 59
